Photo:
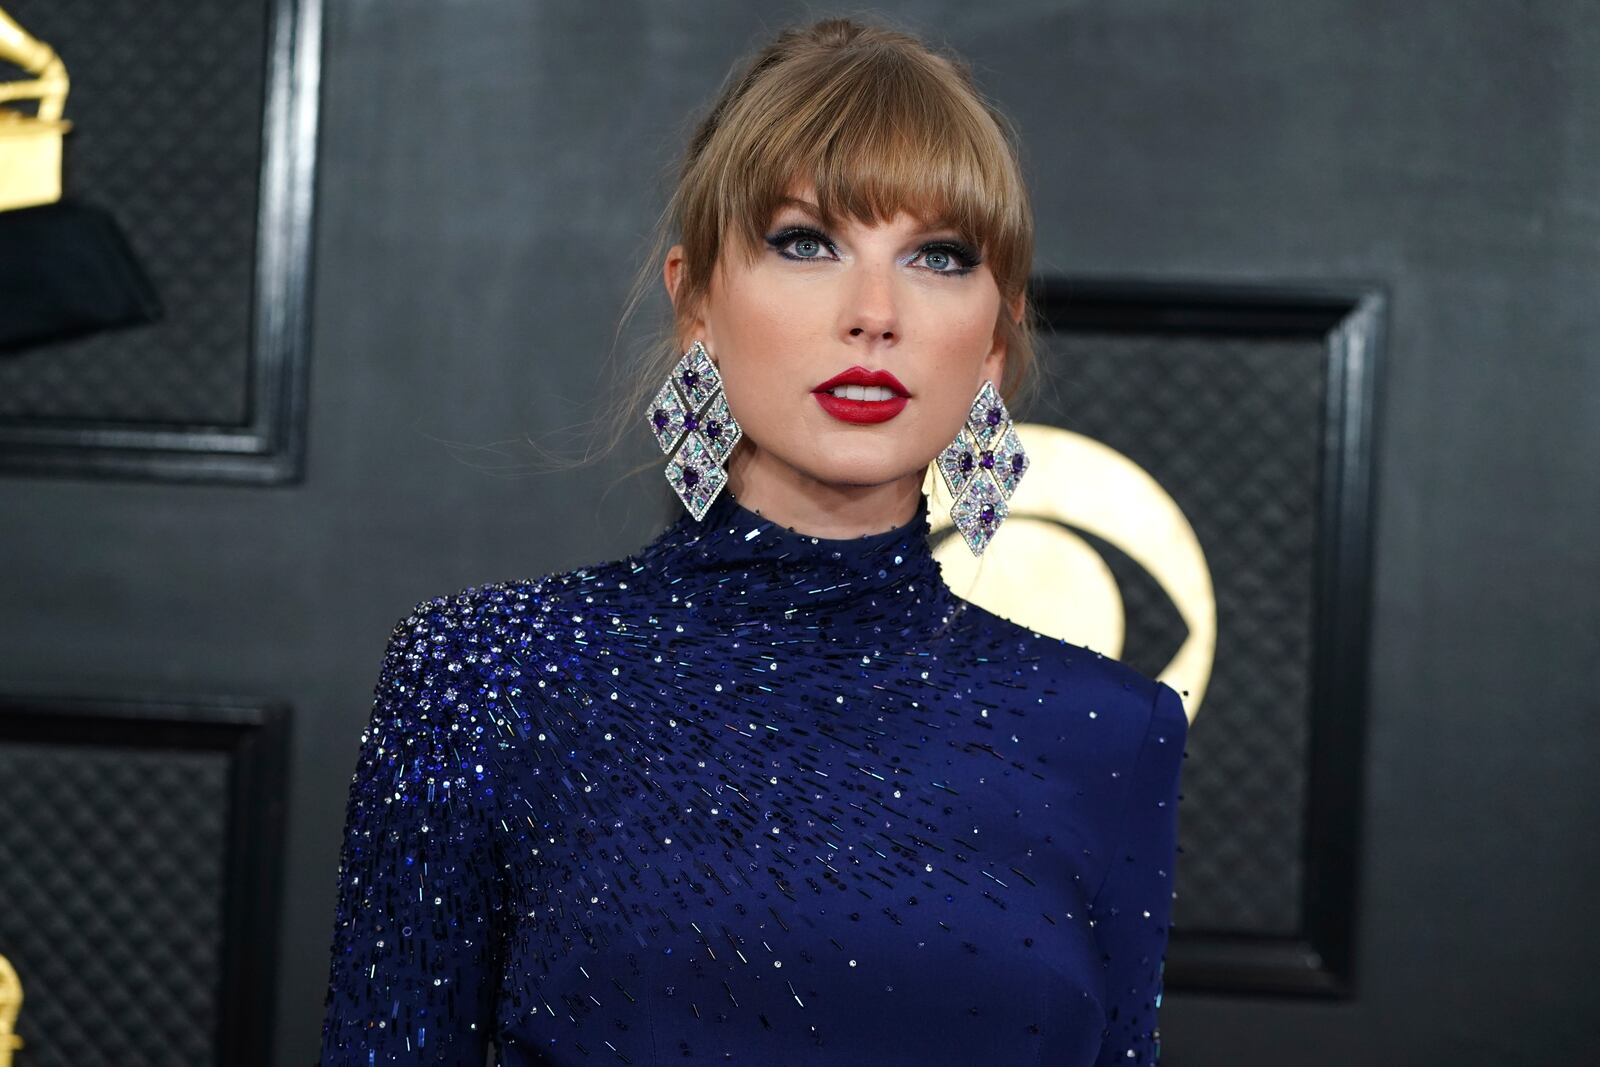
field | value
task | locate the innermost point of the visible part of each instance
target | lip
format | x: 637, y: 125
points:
x: 862, y: 411
x: 862, y: 376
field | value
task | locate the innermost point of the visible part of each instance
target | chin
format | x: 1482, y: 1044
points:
x: 864, y: 474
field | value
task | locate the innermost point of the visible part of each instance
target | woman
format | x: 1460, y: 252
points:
x: 766, y: 791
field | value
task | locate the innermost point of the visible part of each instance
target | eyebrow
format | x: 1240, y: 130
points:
x: 804, y: 205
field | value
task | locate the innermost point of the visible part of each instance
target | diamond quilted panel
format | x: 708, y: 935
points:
x: 166, y: 104
x: 1231, y: 428
x: 111, y: 870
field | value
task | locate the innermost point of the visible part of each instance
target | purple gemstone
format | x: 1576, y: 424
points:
x: 691, y: 477
x: 986, y: 516
x: 661, y: 419
x: 993, y: 418
x: 966, y: 462
x: 690, y: 380
x: 691, y: 421
x: 713, y: 430
x: 1016, y: 462
x: 988, y: 461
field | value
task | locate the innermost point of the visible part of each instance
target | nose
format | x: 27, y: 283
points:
x: 871, y: 311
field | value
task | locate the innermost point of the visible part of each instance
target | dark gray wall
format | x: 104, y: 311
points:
x: 488, y: 172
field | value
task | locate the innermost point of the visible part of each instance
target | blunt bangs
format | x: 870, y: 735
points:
x: 874, y: 132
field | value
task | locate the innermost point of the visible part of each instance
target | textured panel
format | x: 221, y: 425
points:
x: 1231, y: 428
x: 111, y: 870
x: 166, y: 103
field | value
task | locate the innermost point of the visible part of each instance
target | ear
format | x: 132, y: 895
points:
x: 672, y: 272
x: 672, y: 275
x: 994, y: 363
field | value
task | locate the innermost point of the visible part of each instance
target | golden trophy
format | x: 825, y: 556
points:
x: 10, y: 1008
x: 66, y: 269
x: 30, y: 145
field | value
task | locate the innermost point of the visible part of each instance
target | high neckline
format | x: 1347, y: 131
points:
x: 739, y: 568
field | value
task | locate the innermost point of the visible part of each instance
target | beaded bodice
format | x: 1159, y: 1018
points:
x: 748, y: 796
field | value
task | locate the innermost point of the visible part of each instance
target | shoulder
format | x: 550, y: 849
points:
x: 487, y: 633
x: 1128, y: 703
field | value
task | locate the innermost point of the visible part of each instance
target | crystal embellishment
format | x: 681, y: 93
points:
x: 666, y: 417
x: 979, y: 512
x: 988, y: 416
x: 696, y: 376
x: 1010, y: 462
x: 982, y: 468
x: 695, y: 475
x: 718, y: 427
x: 958, y: 462
x: 690, y: 413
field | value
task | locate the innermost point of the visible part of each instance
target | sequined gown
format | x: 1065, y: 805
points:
x: 752, y: 797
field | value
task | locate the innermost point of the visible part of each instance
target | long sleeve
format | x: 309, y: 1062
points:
x: 413, y: 961
x: 1134, y: 904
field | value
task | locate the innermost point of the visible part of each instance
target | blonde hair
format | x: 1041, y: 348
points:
x: 878, y: 122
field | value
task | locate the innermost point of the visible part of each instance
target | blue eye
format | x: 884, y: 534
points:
x: 797, y: 235
x: 939, y: 255
x: 802, y: 242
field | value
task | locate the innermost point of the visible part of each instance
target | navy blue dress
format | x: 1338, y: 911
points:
x: 748, y: 796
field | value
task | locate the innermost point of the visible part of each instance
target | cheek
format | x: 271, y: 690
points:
x: 767, y: 342
x: 769, y: 316
x: 957, y: 363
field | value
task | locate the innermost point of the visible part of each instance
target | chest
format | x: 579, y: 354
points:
x: 788, y: 870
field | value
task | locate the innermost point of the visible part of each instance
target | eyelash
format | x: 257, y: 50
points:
x: 962, y: 252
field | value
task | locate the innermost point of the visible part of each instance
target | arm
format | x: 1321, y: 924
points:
x: 411, y: 978
x: 1134, y: 904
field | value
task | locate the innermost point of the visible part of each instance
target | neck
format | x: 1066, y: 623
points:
x: 742, y: 570
x: 774, y: 490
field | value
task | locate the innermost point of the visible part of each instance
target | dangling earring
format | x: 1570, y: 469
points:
x: 982, y: 467
x: 691, y: 407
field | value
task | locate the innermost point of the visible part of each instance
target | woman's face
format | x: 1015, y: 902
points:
x: 897, y: 297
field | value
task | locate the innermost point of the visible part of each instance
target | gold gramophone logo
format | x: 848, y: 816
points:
x: 30, y: 145
x: 1040, y: 573
x: 10, y: 1008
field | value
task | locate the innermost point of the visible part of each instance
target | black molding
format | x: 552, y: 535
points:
x: 269, y: 448
x: 1350, y: 320
x: 255, y: 740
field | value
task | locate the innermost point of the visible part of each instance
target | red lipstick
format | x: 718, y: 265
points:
x: 862, y: 411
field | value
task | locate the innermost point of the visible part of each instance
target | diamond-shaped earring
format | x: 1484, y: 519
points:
x: 982, y: 467
x: 690, y: 412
